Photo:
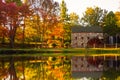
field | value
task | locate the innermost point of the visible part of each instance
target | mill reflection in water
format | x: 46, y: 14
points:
x: 93, y: 66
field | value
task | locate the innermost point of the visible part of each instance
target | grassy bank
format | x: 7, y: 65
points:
x: 60, y: 52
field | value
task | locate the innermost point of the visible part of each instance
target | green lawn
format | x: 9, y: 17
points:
x: 61, y: 52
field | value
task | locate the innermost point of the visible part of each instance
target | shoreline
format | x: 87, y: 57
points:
x: 61, y: 52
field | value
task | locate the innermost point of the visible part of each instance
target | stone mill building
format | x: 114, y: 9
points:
x: 81, y: 35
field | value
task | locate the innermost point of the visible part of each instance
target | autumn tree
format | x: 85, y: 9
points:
x: 27, y: 32
x: 11, y: 19
x: 117, y: 15
x: 93, y: 16
x: 56, y: 36
x: 2, y: 21
x: 74, y: 19
x: 3, y: 33
x: 18, y: 2
x: 46, y: 12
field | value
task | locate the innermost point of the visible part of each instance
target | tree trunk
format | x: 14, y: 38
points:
x: 12, y: 35
x: 3, y: 67
x: 23, y: 40
x: 12, y: 71
x: 11, y: 41
x: 23, y: 66
x: 3, y: 40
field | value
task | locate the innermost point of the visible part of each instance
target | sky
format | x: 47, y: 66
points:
x: 79, y: 6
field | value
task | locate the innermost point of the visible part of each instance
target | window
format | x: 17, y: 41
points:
x: 82, y: 38
x: 76, y: 38
x: 81, y: 44
x: 88, y: 38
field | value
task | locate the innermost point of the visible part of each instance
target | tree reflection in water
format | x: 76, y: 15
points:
x: 35, y: 68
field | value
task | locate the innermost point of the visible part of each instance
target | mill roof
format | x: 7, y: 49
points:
x: 94, y: 29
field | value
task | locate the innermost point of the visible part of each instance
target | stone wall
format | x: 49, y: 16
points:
x: 79, y: 40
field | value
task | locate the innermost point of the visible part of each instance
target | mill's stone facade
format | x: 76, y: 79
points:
x: 81, y: 35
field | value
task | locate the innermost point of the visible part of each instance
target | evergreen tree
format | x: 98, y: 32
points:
x: 110, y: 26
x: 63, y: 12
x: 64, y: 18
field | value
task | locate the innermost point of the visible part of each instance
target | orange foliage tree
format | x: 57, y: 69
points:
x: 56, y: 35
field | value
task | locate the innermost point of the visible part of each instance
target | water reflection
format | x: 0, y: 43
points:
x: 96, y: 67
x: 35, y: 68
x: 59, y: 67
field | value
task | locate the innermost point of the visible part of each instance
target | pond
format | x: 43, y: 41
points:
x: 35, y: 68
x: 59, y: 67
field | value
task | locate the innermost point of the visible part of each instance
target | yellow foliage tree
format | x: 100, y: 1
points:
x: 117, y: 15
x: 93, y: 16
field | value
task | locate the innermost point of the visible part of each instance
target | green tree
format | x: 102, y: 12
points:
x: 18, y: 2
x: 63, y: 12
x: 111, y: 74
x: 93, y: 16
x: 110, y: 26
x: 64, y: 18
